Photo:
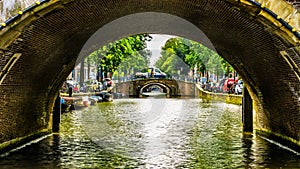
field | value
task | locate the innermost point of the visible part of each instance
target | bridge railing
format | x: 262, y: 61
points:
x: 184, y: 78
x: 11, y: 10
x: 276, y: 16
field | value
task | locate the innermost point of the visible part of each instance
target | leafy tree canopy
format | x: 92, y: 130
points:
x: 180, y: 51
x: 110, y: 56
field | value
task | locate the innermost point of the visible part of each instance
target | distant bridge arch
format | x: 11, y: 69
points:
x: 170, y: 86
x: 173, y: 88
x: 165, y: 89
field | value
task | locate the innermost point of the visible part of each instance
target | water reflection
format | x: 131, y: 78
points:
x: 263, y: 154
x: 153, y: 133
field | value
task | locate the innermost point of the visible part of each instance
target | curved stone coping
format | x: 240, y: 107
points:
x: 288, y: 142
x: 22, y: 12
x: 274, y: 9
x: 20, y: 142
x: 280, y: 11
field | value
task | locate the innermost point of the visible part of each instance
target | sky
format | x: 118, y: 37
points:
x: 158, y: 40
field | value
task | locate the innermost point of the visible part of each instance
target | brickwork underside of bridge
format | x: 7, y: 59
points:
x: 41, y: 48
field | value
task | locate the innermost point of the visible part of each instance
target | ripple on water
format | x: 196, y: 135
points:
x: 152, y: 133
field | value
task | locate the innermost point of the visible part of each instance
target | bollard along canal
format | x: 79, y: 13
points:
x: 152, y: 133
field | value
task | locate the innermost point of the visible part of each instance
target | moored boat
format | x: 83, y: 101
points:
x: 106, y: 96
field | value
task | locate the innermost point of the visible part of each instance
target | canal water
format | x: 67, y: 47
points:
x: 152, y: 133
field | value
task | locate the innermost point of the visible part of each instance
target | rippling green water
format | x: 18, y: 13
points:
x: 153, y: 133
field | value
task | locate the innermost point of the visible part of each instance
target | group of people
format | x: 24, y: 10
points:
x: 71, y: 88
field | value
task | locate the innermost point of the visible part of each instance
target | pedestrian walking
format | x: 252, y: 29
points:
x: 70, y: 90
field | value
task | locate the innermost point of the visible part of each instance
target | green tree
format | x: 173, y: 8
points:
x: 172, y: 57
x: 108, y: 57
x: 227, y: 68
x: 195, y: 55
x: 137, y: 61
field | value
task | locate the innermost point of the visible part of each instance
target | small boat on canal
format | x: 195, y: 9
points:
x: 79, y: 102
x: 105, y: 95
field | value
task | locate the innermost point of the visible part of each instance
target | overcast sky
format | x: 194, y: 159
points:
x: 155, y: 45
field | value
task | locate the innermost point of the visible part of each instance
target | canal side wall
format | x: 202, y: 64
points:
x: 123, y: 87
x: 228, y: 98
x: 187, y: 89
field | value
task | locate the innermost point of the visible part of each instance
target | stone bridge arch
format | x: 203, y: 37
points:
x: 40, y: 45
x: 166, y: 89
x: 170, y: 86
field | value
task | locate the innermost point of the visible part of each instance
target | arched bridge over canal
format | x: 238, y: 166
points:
x: 172, y: 88
x: 41, y: 42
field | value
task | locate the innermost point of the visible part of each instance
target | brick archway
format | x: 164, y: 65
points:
x: 40, y: 49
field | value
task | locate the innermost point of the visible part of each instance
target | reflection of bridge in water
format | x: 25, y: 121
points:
x: 172, y: 88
